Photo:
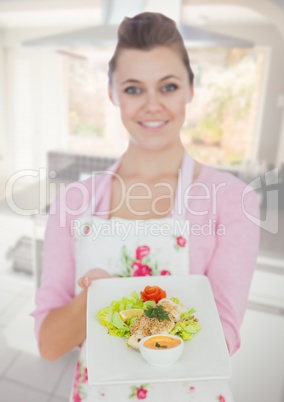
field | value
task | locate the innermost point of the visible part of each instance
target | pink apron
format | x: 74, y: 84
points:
x: 167, y: 253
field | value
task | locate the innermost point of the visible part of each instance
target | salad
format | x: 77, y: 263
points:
x: 137, y: 316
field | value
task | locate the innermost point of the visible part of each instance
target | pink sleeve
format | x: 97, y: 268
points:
x: 231, y: 269
x: 58, y: 269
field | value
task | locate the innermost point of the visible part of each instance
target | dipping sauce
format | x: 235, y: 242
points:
x: 161, y: 342
x: 171, y: 348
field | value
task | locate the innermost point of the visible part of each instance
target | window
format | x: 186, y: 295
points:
x: 94, y: 124
x: 221, y: 121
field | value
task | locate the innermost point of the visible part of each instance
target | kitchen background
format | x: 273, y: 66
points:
x: 57, y: 125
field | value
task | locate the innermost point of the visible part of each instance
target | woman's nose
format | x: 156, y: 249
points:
x: 153, y: 102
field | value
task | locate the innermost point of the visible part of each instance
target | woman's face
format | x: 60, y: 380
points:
x: 151, y: 89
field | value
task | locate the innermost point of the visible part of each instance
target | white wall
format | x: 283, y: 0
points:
x: 2, y: 101
x: 5, y: 163
x: 35, y: 99
x: 280, y: 157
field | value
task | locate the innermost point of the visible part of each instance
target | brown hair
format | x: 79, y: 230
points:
x: 146, y: 31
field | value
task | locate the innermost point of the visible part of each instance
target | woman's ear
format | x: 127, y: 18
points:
x: 112, y: 96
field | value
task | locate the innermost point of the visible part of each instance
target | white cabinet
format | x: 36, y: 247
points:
x: 258, y: 367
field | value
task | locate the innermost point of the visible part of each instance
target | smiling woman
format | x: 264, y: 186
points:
x: 151, y: 83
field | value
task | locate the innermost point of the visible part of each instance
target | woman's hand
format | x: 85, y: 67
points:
x: 85, y: 281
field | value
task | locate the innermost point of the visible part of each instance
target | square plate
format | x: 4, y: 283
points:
x: 110, y: 361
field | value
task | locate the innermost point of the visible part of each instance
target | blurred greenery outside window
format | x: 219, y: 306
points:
x: 221, y: 121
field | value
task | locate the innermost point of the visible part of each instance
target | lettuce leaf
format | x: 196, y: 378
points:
x: 109, y: 316
x: 188, y: 314
x: 148, y: 303
x: 175, y: 300
x: 187, y: 327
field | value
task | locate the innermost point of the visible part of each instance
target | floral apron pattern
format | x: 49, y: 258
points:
x: 142, y: 264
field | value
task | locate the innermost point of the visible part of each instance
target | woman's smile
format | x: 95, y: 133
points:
x: 153, y: 125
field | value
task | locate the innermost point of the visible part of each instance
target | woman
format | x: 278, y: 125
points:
x: 151, y: 81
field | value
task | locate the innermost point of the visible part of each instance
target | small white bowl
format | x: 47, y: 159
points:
x: 159, y: 356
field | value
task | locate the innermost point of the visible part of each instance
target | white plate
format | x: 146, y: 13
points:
x: 110, y: 361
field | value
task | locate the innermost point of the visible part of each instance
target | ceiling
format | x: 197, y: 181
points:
x: 222, y: 14
x: 50, y: 18
x: 44, y: 14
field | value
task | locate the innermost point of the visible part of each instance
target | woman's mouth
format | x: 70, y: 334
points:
x: 153, y: 124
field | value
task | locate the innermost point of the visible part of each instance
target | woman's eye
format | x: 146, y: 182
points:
x: 132, y: 90
x: 169, y: 88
